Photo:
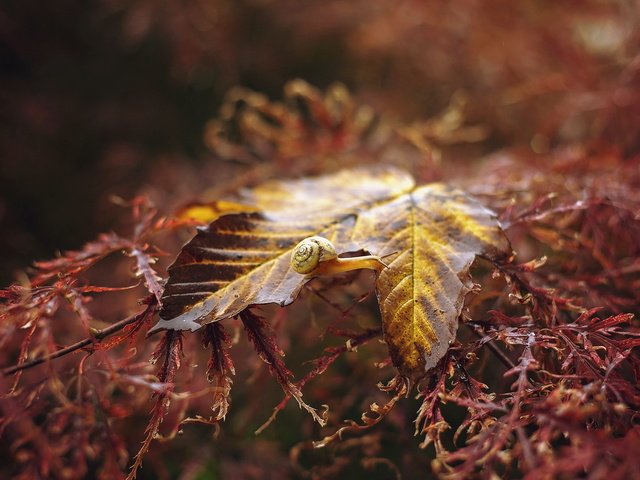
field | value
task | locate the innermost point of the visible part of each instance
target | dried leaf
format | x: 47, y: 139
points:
x: 169, y: 353
x: 210, y: 211
x: 436, y: 233
x: 243, y: 259
x: 219, y: 368
x: 430, y: 234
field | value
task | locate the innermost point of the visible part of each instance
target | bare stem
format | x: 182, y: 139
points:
x: 95, y: 338
x: 497, y: 351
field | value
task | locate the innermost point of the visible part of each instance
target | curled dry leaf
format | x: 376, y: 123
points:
x: 429, y: 235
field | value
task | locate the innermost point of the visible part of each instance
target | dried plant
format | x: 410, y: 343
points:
x: 541, y: 380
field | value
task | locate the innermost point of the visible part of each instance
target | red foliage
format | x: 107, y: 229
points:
x: 543, y: 381
x: 571, y: 372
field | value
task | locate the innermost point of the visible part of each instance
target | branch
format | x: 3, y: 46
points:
x: 98, y: 336
x: 497, y: 351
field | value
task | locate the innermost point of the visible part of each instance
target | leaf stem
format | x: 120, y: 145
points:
x: 96, y: 337
x: 494, y: 348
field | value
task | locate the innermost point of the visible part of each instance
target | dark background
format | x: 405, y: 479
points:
x: 102, y: 97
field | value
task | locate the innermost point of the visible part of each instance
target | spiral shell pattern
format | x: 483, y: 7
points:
x: 310, y: 252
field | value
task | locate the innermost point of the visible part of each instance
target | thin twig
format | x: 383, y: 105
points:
x: 495, y: 349
x: 96, y: 337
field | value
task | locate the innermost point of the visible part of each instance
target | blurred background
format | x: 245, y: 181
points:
x: 109, y: 98
x: 112, y: 97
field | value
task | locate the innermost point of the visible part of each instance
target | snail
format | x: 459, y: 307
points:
x: 317, y: 256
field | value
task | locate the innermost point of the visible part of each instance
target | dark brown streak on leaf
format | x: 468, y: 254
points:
x: 239, y: 260
x: 243, y: 259
x: 431, y: 234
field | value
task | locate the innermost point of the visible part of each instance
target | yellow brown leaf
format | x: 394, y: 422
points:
x: 432, y: 235
x: 208, y: 212
x: 429, y: 235
x: 243, y: 259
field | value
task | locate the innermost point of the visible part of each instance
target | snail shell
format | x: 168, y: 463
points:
x: 308, y: 254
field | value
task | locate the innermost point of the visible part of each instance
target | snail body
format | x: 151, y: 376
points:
x: 318, y: 256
